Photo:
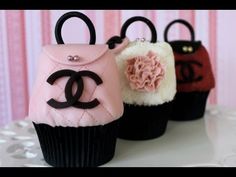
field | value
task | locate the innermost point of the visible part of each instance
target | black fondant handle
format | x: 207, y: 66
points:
x: 113, y: 41
x: 68, y: 15
x: 182, y: 22
x: 143, y: 19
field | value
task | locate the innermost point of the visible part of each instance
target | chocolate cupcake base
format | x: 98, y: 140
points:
x: 77, y: 147
x: 189, y: 106
x: 144, y: 122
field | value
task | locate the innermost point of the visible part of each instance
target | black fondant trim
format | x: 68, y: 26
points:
x: 113, y: 41
x: 91, y: 75
x: 178, y: 45
x: 187, y: 66
x: 184, y: 22
x: 68, y: 90
x: 73, y: 100
x: 189, y: 81
x: 143, y: 19
x: 86, y: 105
x: 68, y: 15
x: 77, y: 103
x: 62, y: 73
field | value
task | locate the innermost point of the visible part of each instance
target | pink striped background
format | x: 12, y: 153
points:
x: 16, y: 44
x: 23, y: 32
x: 46, y: 26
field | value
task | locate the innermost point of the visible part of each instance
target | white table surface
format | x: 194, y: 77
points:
x: 183, y: 144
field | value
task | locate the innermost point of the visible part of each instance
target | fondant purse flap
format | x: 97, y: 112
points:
x: 85, y: 54
x: 185, y: 47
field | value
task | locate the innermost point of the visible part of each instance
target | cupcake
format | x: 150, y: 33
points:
x: 76, y: 101
x: 194, y: 76
x: 148, y: 83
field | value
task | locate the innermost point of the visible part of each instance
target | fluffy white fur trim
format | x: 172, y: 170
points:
x: 167, y: 89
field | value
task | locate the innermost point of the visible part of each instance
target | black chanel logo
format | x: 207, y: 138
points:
x: 187, y: 71
x: 72, y: 100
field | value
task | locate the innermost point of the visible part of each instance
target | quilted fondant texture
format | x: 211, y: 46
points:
x: 96, y: 58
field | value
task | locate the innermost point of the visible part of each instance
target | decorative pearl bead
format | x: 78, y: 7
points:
x: 73, y: 58
x: 70, y: 58
x: 143, y: 39
x: 76, y: 58
x: 185, y: 48
x: 190, y: 49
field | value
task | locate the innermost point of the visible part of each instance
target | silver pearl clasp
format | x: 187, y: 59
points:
x: 143, y: 39
x: 73, y: 58
x: 140, y: 39
x: 185, y: 48
x: 76, y: 58
x: 190, y: 49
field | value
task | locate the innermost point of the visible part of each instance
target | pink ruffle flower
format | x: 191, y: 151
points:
x: 145, y: 73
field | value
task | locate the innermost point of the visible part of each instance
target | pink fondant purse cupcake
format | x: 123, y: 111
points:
x: 76, y: 101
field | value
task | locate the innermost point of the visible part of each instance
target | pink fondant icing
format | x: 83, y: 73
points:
x: 96, y: 58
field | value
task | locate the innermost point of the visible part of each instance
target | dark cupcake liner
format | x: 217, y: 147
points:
x: 144, y: 122
x: 77, y: 147
x: 189, y: 106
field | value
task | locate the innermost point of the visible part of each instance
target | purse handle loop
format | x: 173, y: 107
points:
x: 188, y: 25
x: 143, y: 19
x: 68, y: 15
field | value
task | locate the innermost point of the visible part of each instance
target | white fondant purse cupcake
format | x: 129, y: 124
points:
x: 148, y: 82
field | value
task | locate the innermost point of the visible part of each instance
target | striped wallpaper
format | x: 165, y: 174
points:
x: 23, y: 32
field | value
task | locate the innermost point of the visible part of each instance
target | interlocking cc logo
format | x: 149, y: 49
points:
x: 73, y: 100
x: 187, y: 72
